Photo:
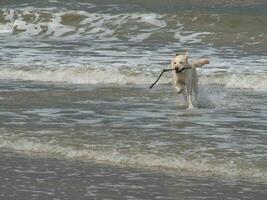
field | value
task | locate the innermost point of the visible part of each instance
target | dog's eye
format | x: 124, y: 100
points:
x: 175, y: 63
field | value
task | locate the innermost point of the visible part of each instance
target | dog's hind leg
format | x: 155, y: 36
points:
x: 190, y: 98
x: 195, y: 88
x: 195, y: 95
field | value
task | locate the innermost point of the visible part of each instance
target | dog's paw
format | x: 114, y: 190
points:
x: 180, y: 91
x: 191, y: 107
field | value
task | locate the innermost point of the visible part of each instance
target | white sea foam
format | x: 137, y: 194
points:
x: 190, y: 37
x: 243, y: 81
x: 140, y: 37
x: 119, y: 76
x: 58, y: 23
x: 229, y: 168
x: 5, y: 28
x: 152, y: 19
x: 79, y: 76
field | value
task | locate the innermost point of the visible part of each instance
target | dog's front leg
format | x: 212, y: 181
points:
x: 181, y: 88
x: 190, y: 101
x: 190, y: 98
x: 184, y: 91
x: 178, y: 86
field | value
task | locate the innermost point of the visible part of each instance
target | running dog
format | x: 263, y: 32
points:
x: 185, y: 77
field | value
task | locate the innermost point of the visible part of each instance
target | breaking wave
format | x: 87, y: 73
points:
x: 56, y: 23
x: 140, y: 160
x: 256, y: 82
x: 86, y: 75
x: 81, y: 76
x: 53, y: 22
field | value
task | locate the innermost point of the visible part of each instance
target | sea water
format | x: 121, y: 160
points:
x: 77, y: 120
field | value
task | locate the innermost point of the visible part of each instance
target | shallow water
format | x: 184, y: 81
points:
x: 127, y: 126
x: 38, y: 178
x: 74, y: 80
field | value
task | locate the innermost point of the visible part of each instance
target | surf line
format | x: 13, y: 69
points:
x: 166, y: 70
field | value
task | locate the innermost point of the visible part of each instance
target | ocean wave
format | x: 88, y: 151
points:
x: 119, y: 76
x: 45, y: 22
x: 80, y: 75
x: 230, y: 168
x: 185, y: 27
x: 73, y: 24
x: 256, y: 82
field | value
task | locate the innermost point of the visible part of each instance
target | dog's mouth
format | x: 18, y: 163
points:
x: 179, y: 69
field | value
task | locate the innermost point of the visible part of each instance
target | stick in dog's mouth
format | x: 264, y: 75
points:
x: 166, y: 70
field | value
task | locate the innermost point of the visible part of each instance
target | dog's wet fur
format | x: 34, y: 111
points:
x: 186, y: 82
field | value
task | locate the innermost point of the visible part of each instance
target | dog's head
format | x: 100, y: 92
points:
x: 180, y: 61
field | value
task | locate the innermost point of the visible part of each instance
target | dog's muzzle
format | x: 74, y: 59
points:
x: 177, y: 71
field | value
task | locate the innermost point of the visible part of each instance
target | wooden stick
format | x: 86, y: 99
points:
x: 166, y: 70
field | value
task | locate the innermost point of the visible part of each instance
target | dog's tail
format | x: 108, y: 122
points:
x: 200, y: 62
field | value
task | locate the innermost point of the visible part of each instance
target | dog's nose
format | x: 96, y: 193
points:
x: 177, y: 69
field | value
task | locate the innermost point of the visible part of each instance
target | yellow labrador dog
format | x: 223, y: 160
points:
x: 185, y: 77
